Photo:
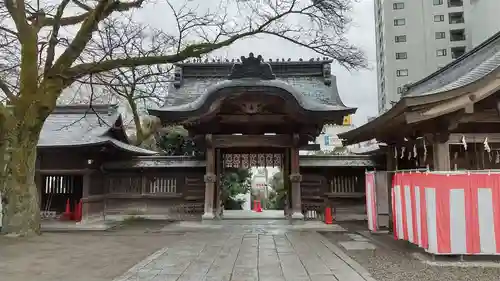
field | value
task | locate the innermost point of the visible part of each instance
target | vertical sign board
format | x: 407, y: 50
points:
x: 347, y: 120
x: 327, y: 140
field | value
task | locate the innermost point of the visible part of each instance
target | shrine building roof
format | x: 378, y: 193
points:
x: 310, y: 83
x: 81, y: 125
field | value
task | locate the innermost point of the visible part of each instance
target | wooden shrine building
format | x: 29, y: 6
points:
x: 242, y: 114
x: 446, y: 121
x: 74, y: 142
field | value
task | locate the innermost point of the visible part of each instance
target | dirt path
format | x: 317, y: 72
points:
x: 79, y: 256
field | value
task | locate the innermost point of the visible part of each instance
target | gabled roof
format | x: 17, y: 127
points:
x: 195, y: 81
x: 80, y: 125
x: 463, y: 73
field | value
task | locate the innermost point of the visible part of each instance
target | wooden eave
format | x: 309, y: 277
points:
x: 461, y: 99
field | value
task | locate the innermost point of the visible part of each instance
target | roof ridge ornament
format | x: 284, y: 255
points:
x: 252, y: 67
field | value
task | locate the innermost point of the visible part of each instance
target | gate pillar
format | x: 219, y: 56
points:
x: 295, y: 179
x: 210, y: 179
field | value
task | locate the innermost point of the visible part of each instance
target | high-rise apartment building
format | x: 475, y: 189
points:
x: 416, y: 38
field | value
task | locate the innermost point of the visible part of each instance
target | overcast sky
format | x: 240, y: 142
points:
x: 357, y: 88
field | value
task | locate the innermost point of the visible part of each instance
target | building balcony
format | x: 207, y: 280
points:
x: 457, y: 35
x: 457, y: 52
x: 455, y: 3
x: 456, y: 18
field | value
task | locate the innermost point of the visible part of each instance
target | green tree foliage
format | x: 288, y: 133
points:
x: 176, y: 142
x: 277, y: 197
x: 234, y: 182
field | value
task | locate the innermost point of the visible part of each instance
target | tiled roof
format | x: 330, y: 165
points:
x: 77, y: 125
x: 312, y: 89
x: 467, y: 69
x: 306, y: 77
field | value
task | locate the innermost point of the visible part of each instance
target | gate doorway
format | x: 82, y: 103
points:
x: 258, y: 176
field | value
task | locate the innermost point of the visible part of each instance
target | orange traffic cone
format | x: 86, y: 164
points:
x: 79, y: 211
x: 67, y: 212
x: 328, y: 215
x: 259, y: 207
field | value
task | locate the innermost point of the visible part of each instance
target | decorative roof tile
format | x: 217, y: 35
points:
x: 311, y: 87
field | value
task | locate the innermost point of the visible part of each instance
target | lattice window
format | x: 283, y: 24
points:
x: 59, y: 184
x: 344, y: 184
x: 234, y: 160
x: 125, y: 184
x: 162, y: 185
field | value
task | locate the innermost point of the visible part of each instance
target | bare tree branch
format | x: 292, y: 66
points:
x: 53, y: 37
x: 103, y: 9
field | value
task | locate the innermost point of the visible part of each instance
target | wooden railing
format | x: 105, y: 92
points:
x: 347, y: 186
x: 135, y: 184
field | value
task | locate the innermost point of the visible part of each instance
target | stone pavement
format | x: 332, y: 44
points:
x: 233, y: 253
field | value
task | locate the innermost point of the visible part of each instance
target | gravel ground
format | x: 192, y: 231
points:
x: 392, y: 261
x: 80, y: 256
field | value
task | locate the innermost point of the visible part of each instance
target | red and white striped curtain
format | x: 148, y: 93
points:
x: 448, y: 214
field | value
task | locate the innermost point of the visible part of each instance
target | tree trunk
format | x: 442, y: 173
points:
x: 22, y: 211
x: 139, y: 133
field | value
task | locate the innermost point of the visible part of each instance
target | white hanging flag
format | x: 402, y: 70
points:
x: 415, y: 150
x: 486, y: 145
x: 464, y: 143
x: 425, y: 149
x: 395, y: 153
x: 403, y: 152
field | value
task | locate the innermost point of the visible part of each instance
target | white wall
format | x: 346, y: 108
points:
x: 485, y: 21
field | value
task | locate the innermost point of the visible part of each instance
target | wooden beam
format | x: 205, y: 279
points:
x: 227, y: 141
x: 267, y: 119
x: 489, y: 116
x: 451, y: 105
x: 311, y: 147
x: 456, y: 138
x: 60, y: 172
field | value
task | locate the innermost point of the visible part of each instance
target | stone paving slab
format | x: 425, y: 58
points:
x: 357, y: 245
x: 270, y: 226
x: 232, y: 255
